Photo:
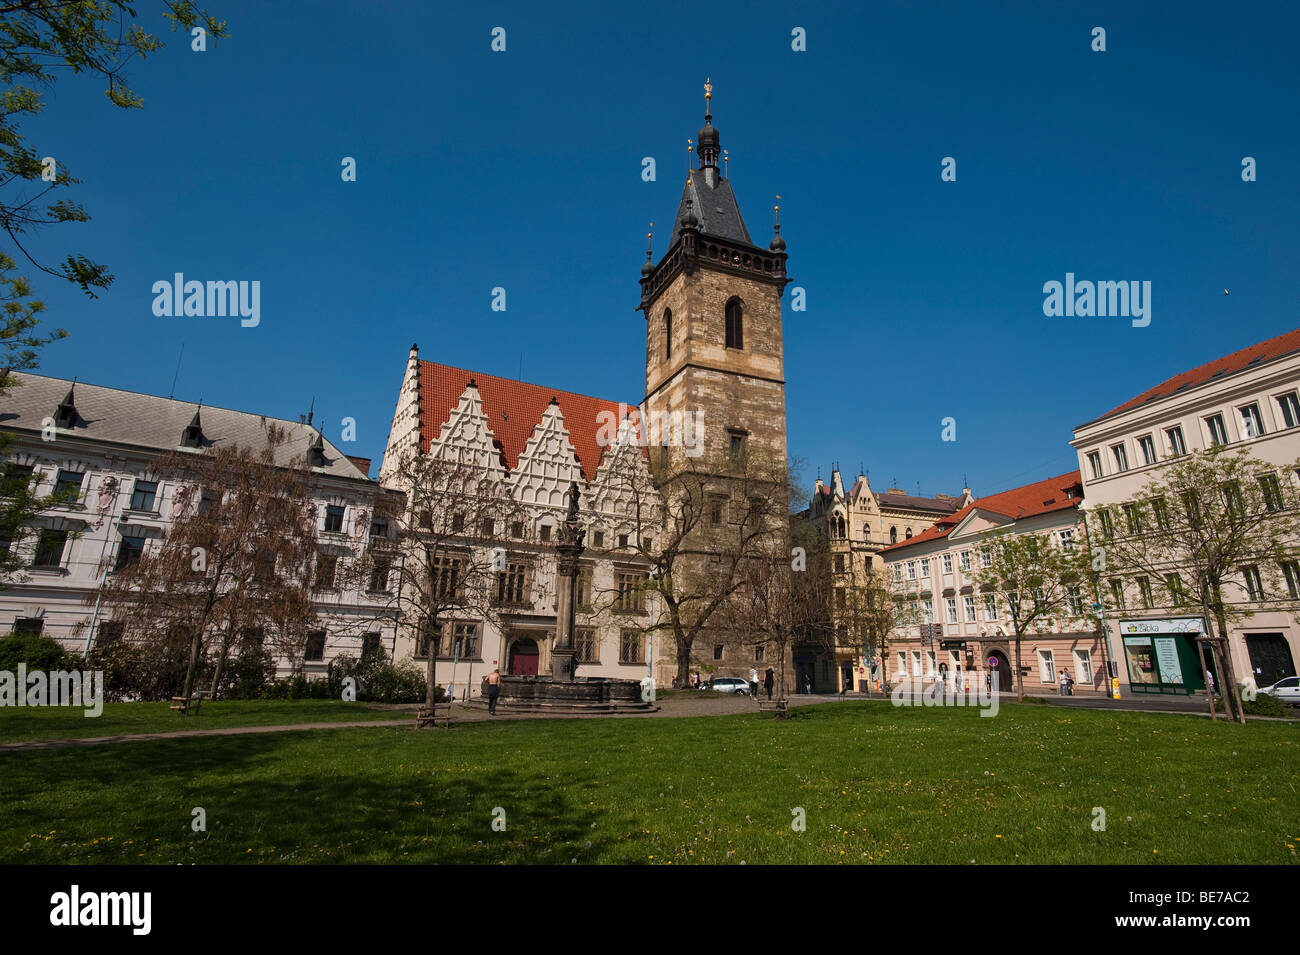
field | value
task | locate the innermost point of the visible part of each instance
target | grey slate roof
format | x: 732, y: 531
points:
x: 156, y: 424
x: 715, y: 207
x: 913, y: 503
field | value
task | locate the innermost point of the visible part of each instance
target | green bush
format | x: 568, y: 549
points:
x: 1265, y: 705
x: 142, y: 669
x: 379, y: 681
x: 37, y: 651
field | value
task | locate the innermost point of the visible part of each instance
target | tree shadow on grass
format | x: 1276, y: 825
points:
x: 363, y: 796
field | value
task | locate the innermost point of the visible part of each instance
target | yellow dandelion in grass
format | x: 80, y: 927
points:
x: 1155, y: 852
x: 997, y: 836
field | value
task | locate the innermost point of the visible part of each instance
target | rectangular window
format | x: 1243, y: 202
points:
x: 715, y: 510
x: 379, y: 529
x: 1177, y: 447
x: 369, y: 643
x: 1254, y: 586
x: 952, y: 610
x: 445, y: 573
x: 1094, y: 463
x: 1065, y: 536
x: 29, y: 626
x: 1117, y: 593
x: 737, y: 447
x: 911, y: 570
x: 315, y: 650
x: 1074, y: 603
x: 1289, y: 405
x: 465, y: 640
x: 925, y: 567
x: 129, y: 551
x: 1148, y: 447
x: 544, y: 532
x: 1107, y: 525
x: 1218, y: 433
x: 839, y: 563
x: 1083, y: 667
x: 990, y: 608
x: 49, y: 548
x: 143, y: 494
x: 598, y: 539
x: 1174, y: 584
x: 1252, y: 425
x: 17, y: 478
x: 327, y: 566
x: 631, y: 646
x: 584, y: 643
x: 963, y: 561
x: 1046, y: 666
x: 631, y: 596
x: 970, y: 609
x: 457, y: 523
x: 1271, y: 488
x: 67, y: 486
x: 583, y: 587
x: 1291, y: 570
x: 896, y: 571
x: 517, y: 530
x: 986, y: 558
x: 622, y: 540
x: 947, y: 563
x: 1121, y: 457
x: 333, y: 519
x: 379, y: 576
x: 1160, y: 511
x: 512, y: 584
x: 758, y: 652
x: 429, y: 638
x: 717, y: 651
x: 1144, y: 589
x: 1133, y: 517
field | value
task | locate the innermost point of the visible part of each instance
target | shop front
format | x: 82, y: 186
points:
x: 1163, y: 656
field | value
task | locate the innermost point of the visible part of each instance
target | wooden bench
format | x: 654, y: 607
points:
x: 772, y: 706
x: 439, y: 713
x: 196, y: 699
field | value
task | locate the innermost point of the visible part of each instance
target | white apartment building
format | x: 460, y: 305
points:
x: 102, y: 442
x: 967, y: 633
x: 1248, y: 397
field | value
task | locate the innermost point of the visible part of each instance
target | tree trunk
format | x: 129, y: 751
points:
x: 431, y: 667
x: 1214, y: 717
x: 195, y: 646
x: 1231, y: 692
x: 1020, y: 673
x: 221, y: 665
x: 683, y: 677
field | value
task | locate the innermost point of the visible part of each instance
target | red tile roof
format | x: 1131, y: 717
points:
x: 1041, y: 497
x: 513, y: 409
x: 1228, y: 365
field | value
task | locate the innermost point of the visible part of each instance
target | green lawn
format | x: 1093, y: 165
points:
x: 23, y: 723
x: 878, y: 784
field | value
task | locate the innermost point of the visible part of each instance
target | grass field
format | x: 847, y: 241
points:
x: 877, y: 784
x: 23, y: 723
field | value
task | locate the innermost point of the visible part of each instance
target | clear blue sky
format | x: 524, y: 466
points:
x: 522, y: 170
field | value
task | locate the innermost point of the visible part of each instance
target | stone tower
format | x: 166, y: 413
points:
x: 713, y: 320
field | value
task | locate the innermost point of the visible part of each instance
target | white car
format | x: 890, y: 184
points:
x: 1287, y: 690
x: 729, y: 684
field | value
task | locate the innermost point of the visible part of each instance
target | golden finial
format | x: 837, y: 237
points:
x: 725, y: 159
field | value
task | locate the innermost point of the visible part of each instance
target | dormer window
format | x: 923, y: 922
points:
x: 316, y: 453
x: 65, y: 416
x: 193, y: 434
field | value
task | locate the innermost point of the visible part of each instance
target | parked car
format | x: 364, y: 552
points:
x: 729, y: 684
x: 1288, y: 690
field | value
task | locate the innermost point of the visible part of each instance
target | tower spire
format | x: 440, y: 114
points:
x: 648, y: 269
x: 710, y: 147
x: 778, y: 243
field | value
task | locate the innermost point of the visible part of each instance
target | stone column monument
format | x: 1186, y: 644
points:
x: 568, y: 548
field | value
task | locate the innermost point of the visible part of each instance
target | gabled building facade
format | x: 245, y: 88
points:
x: 1250, y: 398
x: 968, y: 633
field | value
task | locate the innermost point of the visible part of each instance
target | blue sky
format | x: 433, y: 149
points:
x: 522, y: 170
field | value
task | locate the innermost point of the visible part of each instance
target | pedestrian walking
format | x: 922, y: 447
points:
x: 769, y: 679
x: 494, y: 690
x: 753, y: 682
x: 1065, y: 682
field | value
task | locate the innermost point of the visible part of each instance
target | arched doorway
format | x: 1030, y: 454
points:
x: 522, y: 660
x: 1002, y: 667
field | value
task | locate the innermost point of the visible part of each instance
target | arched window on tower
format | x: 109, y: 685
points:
x: 668, y: 333
x: 866, y: 536
x: 735, y: 324
x: 893, y: 535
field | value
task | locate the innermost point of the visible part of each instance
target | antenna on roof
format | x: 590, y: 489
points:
x: 312, y: 410
x: 172, y: 393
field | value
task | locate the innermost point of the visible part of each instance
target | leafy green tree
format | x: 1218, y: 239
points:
x: 1214, y: 533
x: 38, y: 38
x: 1035, y: 578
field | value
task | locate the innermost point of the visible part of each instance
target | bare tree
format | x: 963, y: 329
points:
x: 445, y: 561
x: 235, y: 560
x: 1216, y: 532
x: 699, y: 523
